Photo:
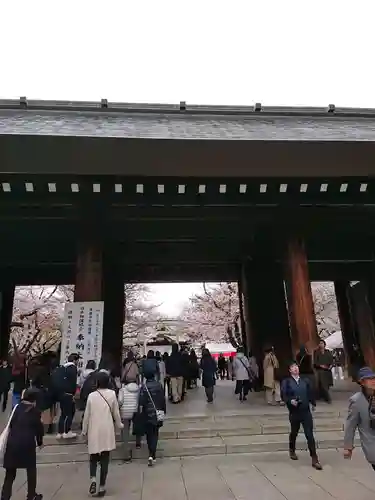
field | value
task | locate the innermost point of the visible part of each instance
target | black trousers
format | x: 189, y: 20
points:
x: 222, y: 373
x: 67, y: 407
x: 10, y: 476
x: 242, y: 388
x: 209, y: 393
x: 323, y: 386
x: 152, y: 437
x: 102, y: 459
x: 305, y: 419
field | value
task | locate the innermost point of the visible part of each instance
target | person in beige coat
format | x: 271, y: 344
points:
x: 101, y: 415
x: 271, y: 385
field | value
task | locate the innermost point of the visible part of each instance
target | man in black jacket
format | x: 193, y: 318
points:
x: 174, y: 370
x: 65, y: 386
x: 298, y: 397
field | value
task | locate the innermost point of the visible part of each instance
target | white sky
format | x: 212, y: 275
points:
x: 199, y: 51
x: 171, y: 297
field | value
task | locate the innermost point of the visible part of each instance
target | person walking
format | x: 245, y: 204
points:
x: 209, y: 371
x: 25, y: 433
x: 167, y: 379
x: 271, y: 384
x: 90, y: 368
x: 323, y: 361
x: 101, y: 415
x: 306, y: 370
x: 175, y: 372
x: 230, y: 368
x: 128, y: 402
x: 150, y: 364
x: 361, y: 416
x: 5, y: 380
x: 194, y: 369
x: 254, y: 369
x: 161, y: 368
x: 222, y: 366
x: 242, y: 373
x: 298, y: 397
x: 64, y: 382
x: 152, y: 408
x: 130, y: 370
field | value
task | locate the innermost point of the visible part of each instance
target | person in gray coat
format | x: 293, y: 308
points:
x: 361, y: 416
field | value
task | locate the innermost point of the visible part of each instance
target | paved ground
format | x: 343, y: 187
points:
x: 238, y: 477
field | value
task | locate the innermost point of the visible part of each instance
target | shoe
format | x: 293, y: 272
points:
x: 69, y: 435
x: 102, y: 491
x: 292, y: 455
x: 38, y: 496
x: 138, y: 446
x: 244, y: 398
x: 316, y: 464
x: 92, y: 489
x: 59, y: 436
x: 150, y: 462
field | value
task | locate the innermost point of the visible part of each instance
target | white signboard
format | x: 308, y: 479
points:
x: 82, y: 331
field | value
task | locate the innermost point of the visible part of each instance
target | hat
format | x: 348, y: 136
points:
x: 365, y: 373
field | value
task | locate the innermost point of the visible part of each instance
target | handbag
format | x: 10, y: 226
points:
x: 250, y: 373
x: 4, y: 436
x: 160, y: 415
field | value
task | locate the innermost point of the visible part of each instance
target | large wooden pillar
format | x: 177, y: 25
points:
x: 347, y: 324
x: 363, y: 308
x: 6, y: 313
x: 300, y: 301
x: 99, y: 279
x: 266, y: 310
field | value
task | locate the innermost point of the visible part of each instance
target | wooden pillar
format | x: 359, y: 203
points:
x: 363, y: 310
x: 6, y: 314
x: 114, y: 310
x: 347, y: 324
x: 88, y: 285
x: 300, y: 301
x: 99, y: 279
x: 267, y: 311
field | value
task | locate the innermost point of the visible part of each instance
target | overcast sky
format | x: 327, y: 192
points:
x: 198, y: 51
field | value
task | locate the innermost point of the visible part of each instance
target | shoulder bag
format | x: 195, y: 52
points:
x: 160, y: 415
x: 109, y: 406
x: 4, y: 436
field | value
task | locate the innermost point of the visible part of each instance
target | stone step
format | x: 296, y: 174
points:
x: 243, y: 427
x: 77, y: 452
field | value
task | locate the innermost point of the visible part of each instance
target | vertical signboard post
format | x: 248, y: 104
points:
x: 82, y: 331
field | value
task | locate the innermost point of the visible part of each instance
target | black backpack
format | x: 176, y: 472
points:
x: 59, y: 379
x: 89, y: 386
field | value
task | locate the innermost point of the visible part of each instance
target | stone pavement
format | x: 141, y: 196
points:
x: 238, y: 477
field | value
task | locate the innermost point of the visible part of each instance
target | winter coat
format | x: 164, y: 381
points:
x: 209, y: 369
x: 150, y: 365
x: 84, y: 376
x: 26, y: 432
x: 241, y: 367
x: 194, y: 368
x: 5, y: 378
x: 270, y: 362
x: 101, y: 415
x: 358, y: 418
x: 150, y: 399
x: 130, y: 372
x: 128, y: 400
x: 174, y: 365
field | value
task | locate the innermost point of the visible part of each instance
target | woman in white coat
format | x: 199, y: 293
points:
x: 101, y: 416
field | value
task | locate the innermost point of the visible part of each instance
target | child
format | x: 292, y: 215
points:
x: 128, y: 402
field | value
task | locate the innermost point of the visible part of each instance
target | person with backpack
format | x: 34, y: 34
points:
x: 128, y: 402
x: 90, y: 368
x: 101, y: 416
x: 298, y: 397
x: 152, y: 408
x: 130, y: 369
x: 64, y: 382
x: 25, y: 433
x: 243, y: 374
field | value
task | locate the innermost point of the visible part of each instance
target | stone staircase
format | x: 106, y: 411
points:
x: 216, y: 434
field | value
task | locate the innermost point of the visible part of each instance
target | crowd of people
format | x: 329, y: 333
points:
x: 132, y: 398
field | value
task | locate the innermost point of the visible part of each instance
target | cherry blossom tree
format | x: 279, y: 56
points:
x: 213, y: 315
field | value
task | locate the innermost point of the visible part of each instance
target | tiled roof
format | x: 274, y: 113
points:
x: 197, y: 123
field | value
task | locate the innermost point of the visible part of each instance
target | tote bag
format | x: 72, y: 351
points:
x: 4, y: 436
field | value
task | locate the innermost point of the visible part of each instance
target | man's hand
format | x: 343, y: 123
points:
x: 348, y: 454
x: 294, y: 402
